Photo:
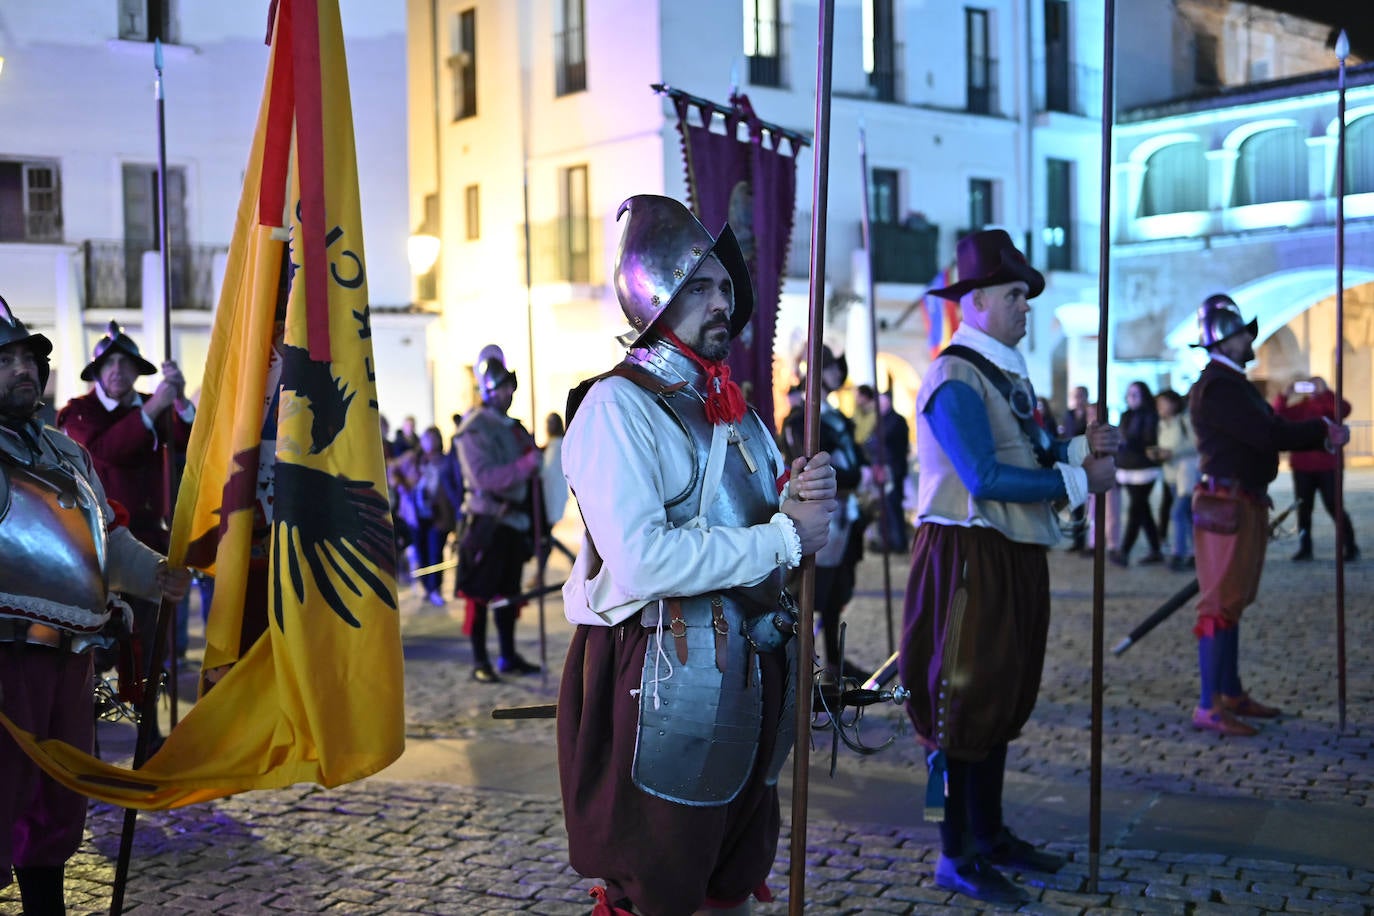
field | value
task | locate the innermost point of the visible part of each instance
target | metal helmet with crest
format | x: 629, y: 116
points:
x: 115, y: 341
x: 662, y: 246
x: 13, y: 331
x: 491, y: 371
x: 1219, y: 318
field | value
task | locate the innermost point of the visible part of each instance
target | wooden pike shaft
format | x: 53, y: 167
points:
x: 801, y: 759
x: 1100, y: 505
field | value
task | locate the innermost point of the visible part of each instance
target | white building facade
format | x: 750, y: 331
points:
x: 1225, y: 180
x: 79, y: 230
x: 975, y: 115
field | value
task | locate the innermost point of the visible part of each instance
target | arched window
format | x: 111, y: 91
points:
x: 1272, y: 166
x: 1175, y: 180
x: 1359, y: 156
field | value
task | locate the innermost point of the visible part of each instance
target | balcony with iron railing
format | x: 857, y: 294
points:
x: 905, y: 254
x: 562, y: 251
x: 768, y: 63
x: 112, y: 275
x: 1074, y: 89
x: 982, y: 86
x: 885, y: 80
x: 570, y: 61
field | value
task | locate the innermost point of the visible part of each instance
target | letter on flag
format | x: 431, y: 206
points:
x: 284, y: 496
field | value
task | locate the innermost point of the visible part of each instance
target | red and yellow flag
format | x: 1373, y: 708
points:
x: 284, y: 496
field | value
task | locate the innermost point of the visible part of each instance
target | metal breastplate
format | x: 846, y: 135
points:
x: 743, y: 497
x: 52, y: 546
x: 700, y: 718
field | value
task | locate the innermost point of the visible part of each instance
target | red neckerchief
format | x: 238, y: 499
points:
x: 724, y: 400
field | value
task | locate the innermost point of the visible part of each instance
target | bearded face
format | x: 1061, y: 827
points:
x: 20, y: 390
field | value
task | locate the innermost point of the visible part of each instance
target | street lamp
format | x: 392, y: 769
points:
x: 422, y: 251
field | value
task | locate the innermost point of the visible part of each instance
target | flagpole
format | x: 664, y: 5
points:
x: 1342, y: 52
x: 880, y: 453
x: 812, y: 433
x: 147, y: 716
x: 168, y: 464
x: 1100, y: 505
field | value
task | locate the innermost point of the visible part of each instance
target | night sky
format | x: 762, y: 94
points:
x: 1355, y: 16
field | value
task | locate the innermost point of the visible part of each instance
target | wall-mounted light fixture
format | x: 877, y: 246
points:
x: 422, y: 250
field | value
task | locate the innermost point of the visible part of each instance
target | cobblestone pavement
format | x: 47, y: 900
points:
x: 1192, y: 823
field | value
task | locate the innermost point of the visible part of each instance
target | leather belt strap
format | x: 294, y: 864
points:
x: 677, y: 625
x: 722, y: 629
x: 1221, y: 484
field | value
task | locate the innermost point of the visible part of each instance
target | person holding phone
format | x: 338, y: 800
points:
x: 1315, y: 471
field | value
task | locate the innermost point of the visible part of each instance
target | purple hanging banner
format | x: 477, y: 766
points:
x: 750, y: 183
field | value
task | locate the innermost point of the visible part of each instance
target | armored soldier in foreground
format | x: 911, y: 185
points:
x: 63, y: 549
x: 675, y: 712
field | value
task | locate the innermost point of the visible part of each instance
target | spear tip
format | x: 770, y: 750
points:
x: 157, y: 54
x: 1342, y: 46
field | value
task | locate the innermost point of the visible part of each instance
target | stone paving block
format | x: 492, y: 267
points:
x: 1046, y: 908
x: 1061, y: 881
x: 1148, y: 905
x: 1263, y: 902
x: 1217, y: 884
x: 297, y: 903
x: 1267, y: 875
x: 1336, y: 883
x: 1164, y: 891
x: 1286, y: 890
x: 1079, y: 900
x: 1309, y: 905
x: 867, y: 904
x: 1340, y: 897
x: 1193, y: 858
x: 1155, y: 874
x: 856, y: 862
x: 1221, y: 909
x: 921, y: 895
x: 1327, y: 871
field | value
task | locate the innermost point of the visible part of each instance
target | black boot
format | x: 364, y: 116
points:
x: 1304, y: 547
x: 40, y: 890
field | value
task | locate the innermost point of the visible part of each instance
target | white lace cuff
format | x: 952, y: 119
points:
x: 790, y: 555
x: 1075, y: 483
x: 1078, y: 450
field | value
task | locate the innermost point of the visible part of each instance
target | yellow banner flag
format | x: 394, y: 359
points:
x: 284, y: 496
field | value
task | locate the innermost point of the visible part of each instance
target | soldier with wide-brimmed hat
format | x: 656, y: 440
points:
x: 977, y: 604
x: 674, y: 714
x: 1239, y: 438
x: 63, y: 549
x: 127, y: 433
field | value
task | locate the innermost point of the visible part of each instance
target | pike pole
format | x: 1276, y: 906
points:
x: 880, y: 453
x: 537, y: 481
x: 166, y: 612
x: 1100, y: 505
x: 1342, y: 52
x: 801, y: 761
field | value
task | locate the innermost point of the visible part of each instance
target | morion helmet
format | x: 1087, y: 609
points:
x: 491, y: 371
x: 13, y: 331
x: 1219, y: 318
x: 662, y: 246
x: 115, y: 340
